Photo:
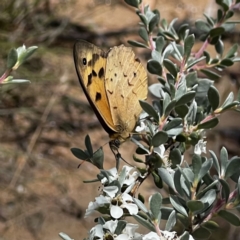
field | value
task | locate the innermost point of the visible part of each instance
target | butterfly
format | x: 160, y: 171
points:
x: 113, y: 83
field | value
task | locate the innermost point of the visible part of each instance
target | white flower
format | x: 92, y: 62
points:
x: 123, y: 201
x: 96, y: 231
x: 130, y: 230
x: 151, y: 236
x: 169, y: 235
x: 160, y: 150
x: 111, y: 225
x: 141, y: 128
x: 110, y: 191
x: 200, y: 147
x: 99, y: 202
x: 113, y: 175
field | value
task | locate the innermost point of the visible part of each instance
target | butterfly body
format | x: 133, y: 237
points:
x: 113, y: 83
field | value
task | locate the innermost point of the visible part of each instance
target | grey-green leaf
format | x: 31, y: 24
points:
x: 178, y: 206
x: 155, y: 205
x: 188, y: 44
x: 154, y: 67
x: 213, y: 97
x: 12, y: 58
x: 232, y: 167
x: 159, y: 138
x: 209, y: 124
x: 195, y: 205
x: 230, y: 217
x: 133, y: 3
x: 149, y: 109
x: 88, y: 145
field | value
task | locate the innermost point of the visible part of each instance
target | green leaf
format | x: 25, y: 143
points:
x: 143, y: 19
x: 154, y: 67
x: 226, y: 62
x: 153, y: 23
x: 219, y: 47
x: 213, y: 97
x: 166, y: 177
x: 230, y: 217
x: 195, y: 205
x: 201, y: 233
x: 144, y: 222
x: 79, y: 153
x: 171, y: 67
x: 225, y: 189
x: 150, y: 110
x: 88, y: 145
x: 175, y: 156
x: 140, y: 205
x: 155, y: 205
x: 172, y: 124
x: 137, y: 44
x: 133, y: 3
x: 188, y: 44
x: 196, y: 165
x: 143, y: 34
x: 202, y: 26
x: 210, y: 186
x: 159, y: 138
x: 97, y: 158
x: 215, y: 32
x: 169, y: 107
x: 186, y: 98
x: 182, y: 110
x: 177, y: 182
x: 223, y: 160
x: 12, y: 58
x: 215, y: 162
x: 223, y: 5
x: 234, y: 104
x: 178, y: 206
x: 232, y: 167
x: 212, y: 75
x: 206, y: 166
x: 209, y: 124
x: 24, y: 53
x: 232, y: 51
x: 171, y: 221
x: 184, y: 236
x: 160, y: 44
x: 211, y: 225
x: 120, y: 226
x: 228, y: 100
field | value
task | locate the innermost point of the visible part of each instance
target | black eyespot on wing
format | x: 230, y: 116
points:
x: 84, y: 61
x: 137, y: 60
x: 94, y: 73
x: 115, y: 74
x: 98, y: 96
x: 89, y: 80
x: 134, y: 74
x: 101, y: 72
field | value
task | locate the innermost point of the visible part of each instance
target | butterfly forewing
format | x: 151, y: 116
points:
x: 126, y: 84
x: 90, y: 62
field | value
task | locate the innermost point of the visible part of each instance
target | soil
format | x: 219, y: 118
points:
x: 42, y: 189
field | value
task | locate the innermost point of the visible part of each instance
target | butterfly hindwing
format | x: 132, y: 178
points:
x: 126, y: 84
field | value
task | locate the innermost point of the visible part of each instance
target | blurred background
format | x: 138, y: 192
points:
x: 42, y: 190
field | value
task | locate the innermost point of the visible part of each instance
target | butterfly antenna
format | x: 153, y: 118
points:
x: 114, y: 146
